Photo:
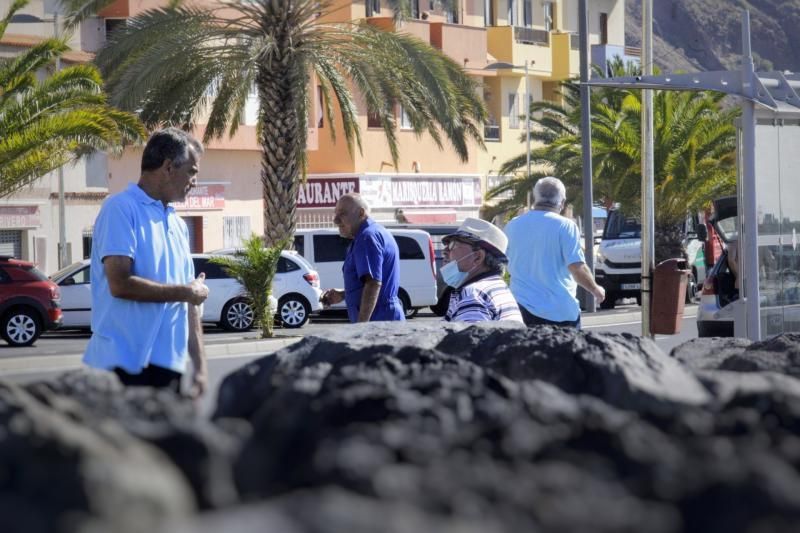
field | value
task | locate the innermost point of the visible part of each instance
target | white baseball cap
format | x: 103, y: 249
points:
x: 484, y: 234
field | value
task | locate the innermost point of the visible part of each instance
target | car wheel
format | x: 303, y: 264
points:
x: 408, y: 311
x: 610, y: 302
x: 21, y: 326
x: 237, y: 315
x: 293, y: 311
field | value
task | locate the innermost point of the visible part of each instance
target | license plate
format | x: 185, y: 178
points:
x: 631, y: 286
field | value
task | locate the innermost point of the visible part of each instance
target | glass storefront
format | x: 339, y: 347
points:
x: 778, y: 186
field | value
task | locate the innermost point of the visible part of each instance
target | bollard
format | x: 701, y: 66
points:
x: 669, y: 294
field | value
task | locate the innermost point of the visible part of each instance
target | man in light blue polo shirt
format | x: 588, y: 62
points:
x: 145, y: 297
x: 546, y: 262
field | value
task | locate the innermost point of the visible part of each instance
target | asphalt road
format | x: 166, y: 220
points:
x: 21, y: 364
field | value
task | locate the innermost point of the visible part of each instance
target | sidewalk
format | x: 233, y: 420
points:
x: 249, y: 343
x: 215, y: 349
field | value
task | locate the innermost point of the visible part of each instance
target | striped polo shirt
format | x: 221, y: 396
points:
x: 485, y: 298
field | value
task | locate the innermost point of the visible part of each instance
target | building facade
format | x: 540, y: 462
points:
x: 428, y: 185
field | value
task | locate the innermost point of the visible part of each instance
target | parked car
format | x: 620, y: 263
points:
x: 226, y: 305
x: 29, y: 302
x: 326, y: 249
x: 296, y: 287
x: 436, y: 231
x: 715, y: 313
x: 618, y: 257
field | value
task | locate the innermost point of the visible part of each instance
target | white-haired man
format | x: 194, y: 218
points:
x: 546, y: 262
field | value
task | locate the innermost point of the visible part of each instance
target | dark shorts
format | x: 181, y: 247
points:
x: 532, y: 320
x: 151, y: 376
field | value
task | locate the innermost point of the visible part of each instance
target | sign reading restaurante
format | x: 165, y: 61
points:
x: 324, y: 192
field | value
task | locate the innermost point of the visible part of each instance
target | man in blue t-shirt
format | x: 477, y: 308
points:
x: 546, y: 262
x: 146, y: 320
x: 371, y: 267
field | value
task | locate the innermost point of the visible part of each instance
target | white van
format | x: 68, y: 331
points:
x: 325, y: 249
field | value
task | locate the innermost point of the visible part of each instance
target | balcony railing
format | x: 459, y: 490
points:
x: 531, y: 35
x: 491, y: 132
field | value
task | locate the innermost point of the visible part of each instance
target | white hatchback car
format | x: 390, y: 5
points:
x: 226, y: 306
x: 296, y: 286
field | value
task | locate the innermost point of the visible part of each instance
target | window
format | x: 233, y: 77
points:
x: 488, y: 13
x: 512, y: 13
x: 330, y: 248
x: 299, y: 244
x: 549, y: 16
x: 451, y: 13
x: 373, y: 120
x: 212, y: 270
x: 234, y: 231
x: 87, y: 244
x: 415, y: 11
x: 513, y: 111
x: 405, y: 120
x: 603, y: 28
x: 373, y: 7
x: 286, y: 265
x: 4, y: 277
x: 113, y: 24
x: 409, y: 248
x: 527, y: 13
x: 82, y: 276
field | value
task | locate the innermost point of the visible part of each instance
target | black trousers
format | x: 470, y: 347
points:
x: 532, y: 320
x: 151, y: 376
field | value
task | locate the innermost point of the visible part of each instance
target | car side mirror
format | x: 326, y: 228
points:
x: 598, y: 239
x: 702, y: 233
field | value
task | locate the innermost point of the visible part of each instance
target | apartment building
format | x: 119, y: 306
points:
x: 428, y: 185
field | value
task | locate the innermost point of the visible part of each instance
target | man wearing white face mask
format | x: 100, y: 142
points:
x: 474, y: 257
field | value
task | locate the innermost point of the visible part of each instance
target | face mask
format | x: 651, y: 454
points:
x: 452, y: 275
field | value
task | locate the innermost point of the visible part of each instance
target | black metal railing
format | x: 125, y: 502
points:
x: 531, y: 35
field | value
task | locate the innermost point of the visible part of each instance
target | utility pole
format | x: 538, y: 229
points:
x: 648, y: 185
x: 62, y: 219
x: 528, y: 130
x: 586, y: 148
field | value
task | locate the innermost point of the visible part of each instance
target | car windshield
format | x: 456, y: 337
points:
x: 620, y: 226
x: 728, y: 228
x: 36, y: 273
x: 64, y: 271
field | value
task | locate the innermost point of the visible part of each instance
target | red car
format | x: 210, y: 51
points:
x: 29, y: 302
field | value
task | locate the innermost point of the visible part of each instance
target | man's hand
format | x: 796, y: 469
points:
x: 331, y: 297
x: 198, y: 290
x: 199, y: 382
x: 599, y: 294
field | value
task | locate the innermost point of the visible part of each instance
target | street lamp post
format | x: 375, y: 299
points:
x: 62, y: 221
x: 501, y: 66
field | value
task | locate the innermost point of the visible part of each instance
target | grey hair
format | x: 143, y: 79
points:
x: 358, y: 201
x: 549, y: 192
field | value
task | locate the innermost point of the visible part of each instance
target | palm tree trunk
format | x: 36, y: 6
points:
x: 280, y: 145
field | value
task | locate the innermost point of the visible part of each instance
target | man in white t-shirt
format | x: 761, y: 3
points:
x: 546, y: 262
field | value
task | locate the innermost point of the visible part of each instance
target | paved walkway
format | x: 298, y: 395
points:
x: 250, y: 343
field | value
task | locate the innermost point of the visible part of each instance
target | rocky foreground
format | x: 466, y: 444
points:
x: 403, y: 428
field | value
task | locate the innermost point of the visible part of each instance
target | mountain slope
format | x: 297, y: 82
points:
x: 706, y: 34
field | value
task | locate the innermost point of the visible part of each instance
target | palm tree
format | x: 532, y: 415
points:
x: 694, y: 154
x: 47, y: 124
x: 177, y: 64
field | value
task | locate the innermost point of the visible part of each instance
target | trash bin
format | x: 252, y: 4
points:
x: 669, y: 294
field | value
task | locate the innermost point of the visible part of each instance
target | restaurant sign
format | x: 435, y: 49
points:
x: 324, y: 192
x: 24, y: 216
x: 203, y: 197
x: 423, y: 191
